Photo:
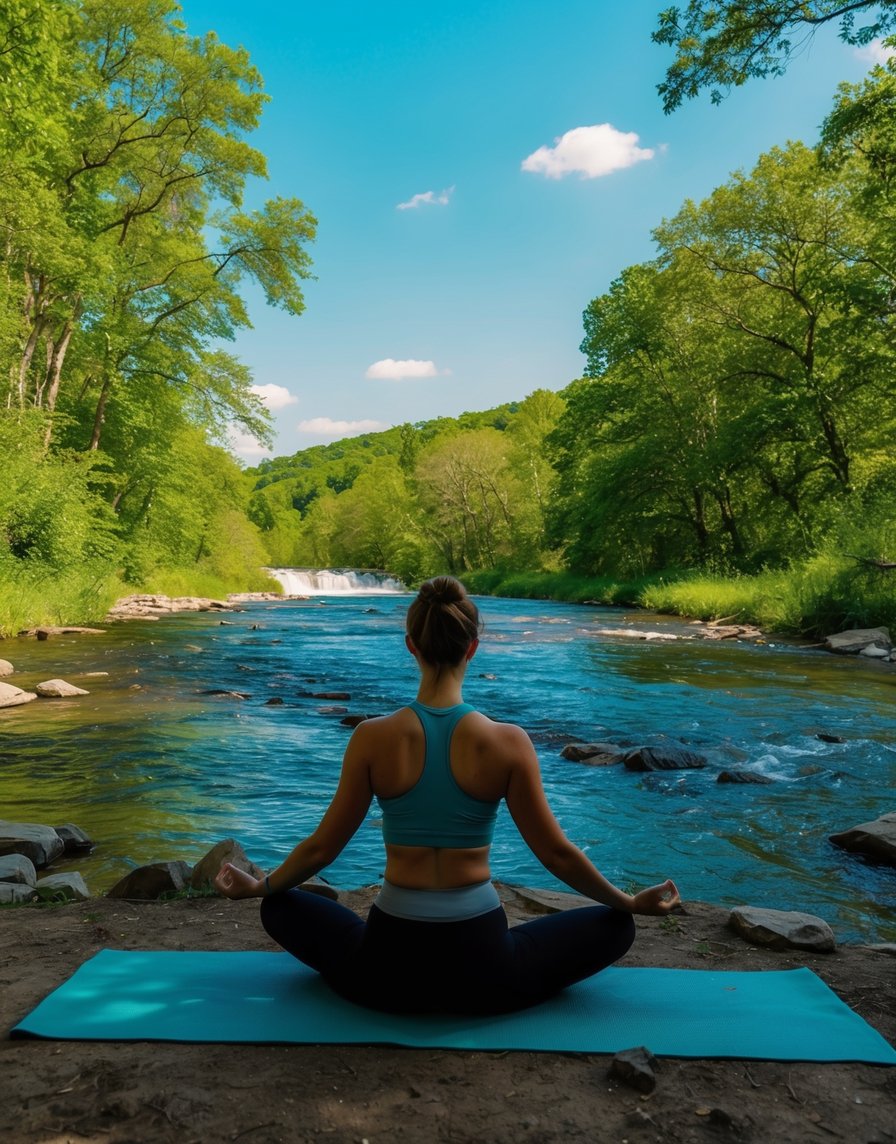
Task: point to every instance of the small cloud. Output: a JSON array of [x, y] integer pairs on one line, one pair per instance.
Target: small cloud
[[328, 427], [246, 447], [588, 151], [391, 370], [427, 198], [877, 52], [274, 396]]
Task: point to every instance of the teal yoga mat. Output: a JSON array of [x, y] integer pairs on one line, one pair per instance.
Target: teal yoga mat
[[269, 997]]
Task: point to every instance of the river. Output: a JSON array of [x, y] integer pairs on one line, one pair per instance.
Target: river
[[154, 767]]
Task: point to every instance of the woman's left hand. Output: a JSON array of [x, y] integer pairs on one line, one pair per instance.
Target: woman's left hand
[[235, 883]]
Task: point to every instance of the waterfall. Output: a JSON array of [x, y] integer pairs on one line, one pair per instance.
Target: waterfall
[[335, 582]]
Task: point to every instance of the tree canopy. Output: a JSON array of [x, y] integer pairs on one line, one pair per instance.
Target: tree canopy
[[720, 44]]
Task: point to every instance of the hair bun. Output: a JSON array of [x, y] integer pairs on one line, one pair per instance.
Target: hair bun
[[441, 590]]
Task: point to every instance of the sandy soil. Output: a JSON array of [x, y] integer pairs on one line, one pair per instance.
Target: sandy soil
[[56, 1091]]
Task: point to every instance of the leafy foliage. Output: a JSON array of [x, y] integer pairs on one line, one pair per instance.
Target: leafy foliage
[[721, 44]]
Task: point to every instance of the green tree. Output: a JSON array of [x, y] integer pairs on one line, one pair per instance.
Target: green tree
[[721, 44]]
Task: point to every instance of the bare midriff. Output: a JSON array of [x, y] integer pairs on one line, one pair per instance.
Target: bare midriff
[[436, 868]]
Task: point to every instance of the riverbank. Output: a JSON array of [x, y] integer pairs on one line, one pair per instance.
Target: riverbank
[[809, 601], [173, 1093]]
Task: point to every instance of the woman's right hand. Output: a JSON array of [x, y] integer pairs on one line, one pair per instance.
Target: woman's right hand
[[657, 900], [235, 883]]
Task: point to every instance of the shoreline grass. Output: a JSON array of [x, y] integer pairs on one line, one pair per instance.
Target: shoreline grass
[[824, 595]]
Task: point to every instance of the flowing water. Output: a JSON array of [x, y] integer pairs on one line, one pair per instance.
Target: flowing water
[[152, 766]]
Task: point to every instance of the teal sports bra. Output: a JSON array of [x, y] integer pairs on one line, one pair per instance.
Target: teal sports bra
[[435, 811]]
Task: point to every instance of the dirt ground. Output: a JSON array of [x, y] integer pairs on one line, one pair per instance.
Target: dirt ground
[[56, 1092]]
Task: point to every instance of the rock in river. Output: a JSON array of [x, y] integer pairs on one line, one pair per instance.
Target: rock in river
[[875, 841], [662, 759]]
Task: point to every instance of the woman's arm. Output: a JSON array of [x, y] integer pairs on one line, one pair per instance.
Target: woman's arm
[[544, 836], [340, 821]]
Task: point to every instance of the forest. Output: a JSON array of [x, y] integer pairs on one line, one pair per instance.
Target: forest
[[729, 449]]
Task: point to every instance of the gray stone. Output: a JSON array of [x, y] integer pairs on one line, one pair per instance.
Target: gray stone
[[317, 885], [872, 651], [150, 882], [15, 892], [6, 668], [857, 639], [875, 841], [887, 947], [228, 850], [594, 754], [635, 1068], [58, 689], [39, 843], [71, 885], [753, 777], [782, 929], [662, 759], [17, 868], [74, 839], [548, 901], [11, 696]]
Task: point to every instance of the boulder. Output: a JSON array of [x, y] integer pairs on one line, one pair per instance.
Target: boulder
[[782, 929], [229, 850], [317, 885], [343, 696], [662, 759], [858, 639], [6, 668], [39, 843], [74, 839], [58, 689], [17, 868], [147, 883], [14, 696], [594, 754], [875, 840], [547, 901], [15, 892], [744, 777], [70, 885]]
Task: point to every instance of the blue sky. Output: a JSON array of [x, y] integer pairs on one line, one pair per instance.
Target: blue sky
[[459, 241]]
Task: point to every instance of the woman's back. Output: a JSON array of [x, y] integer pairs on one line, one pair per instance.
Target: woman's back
[[479, 761]]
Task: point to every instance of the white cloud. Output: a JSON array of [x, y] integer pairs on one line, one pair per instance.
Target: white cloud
[[427, 198], [589, 152], [391, 370], [274, 396], [877, 52], [246, 447], [328, 427]]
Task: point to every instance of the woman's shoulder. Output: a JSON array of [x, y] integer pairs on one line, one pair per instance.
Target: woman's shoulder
[[495, 734]]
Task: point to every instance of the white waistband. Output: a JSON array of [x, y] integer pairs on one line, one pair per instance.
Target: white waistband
[[455, 905]]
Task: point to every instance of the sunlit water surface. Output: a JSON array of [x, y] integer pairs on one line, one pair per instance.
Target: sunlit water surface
[[152, 768]]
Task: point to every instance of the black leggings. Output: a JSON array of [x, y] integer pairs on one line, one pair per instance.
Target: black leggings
[[474, 966]]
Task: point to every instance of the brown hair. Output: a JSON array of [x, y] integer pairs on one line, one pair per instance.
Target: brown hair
[[443, 621]]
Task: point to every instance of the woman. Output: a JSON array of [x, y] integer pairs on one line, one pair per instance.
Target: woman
[[437, 937]]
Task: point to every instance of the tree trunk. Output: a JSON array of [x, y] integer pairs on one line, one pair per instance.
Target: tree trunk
[[55, 357], [100, 415]]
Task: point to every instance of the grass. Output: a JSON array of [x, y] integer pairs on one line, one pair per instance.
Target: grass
[[824, 594], [45, 597], [52, 598]]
